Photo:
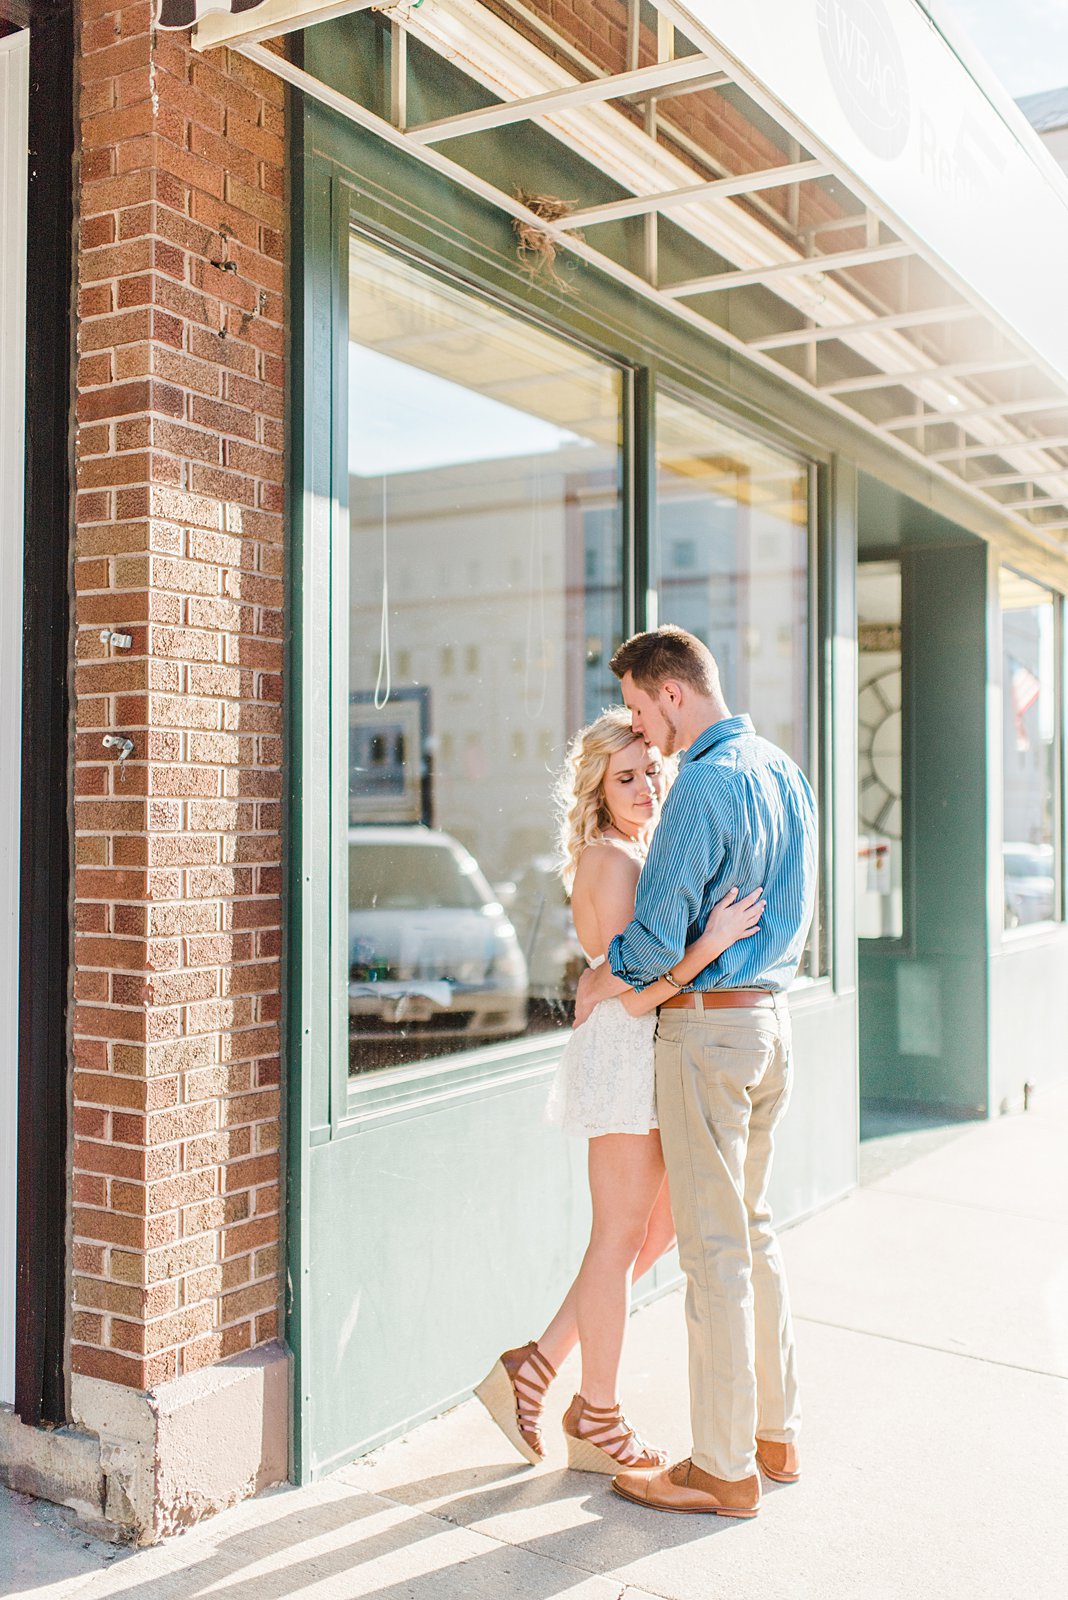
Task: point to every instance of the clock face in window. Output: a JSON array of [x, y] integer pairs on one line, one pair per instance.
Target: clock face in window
[[879, 754]]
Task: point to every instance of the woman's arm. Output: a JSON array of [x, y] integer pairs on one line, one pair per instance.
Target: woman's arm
[[731, 919]]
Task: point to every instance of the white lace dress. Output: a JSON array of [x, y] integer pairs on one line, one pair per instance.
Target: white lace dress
[[604, 1079]]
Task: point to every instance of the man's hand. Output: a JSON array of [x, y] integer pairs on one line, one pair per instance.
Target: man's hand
[[595, 985]]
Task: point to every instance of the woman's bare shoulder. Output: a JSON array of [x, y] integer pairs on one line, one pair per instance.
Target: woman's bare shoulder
[[607, 859]]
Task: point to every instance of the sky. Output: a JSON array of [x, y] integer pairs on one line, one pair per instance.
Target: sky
[[402, 419], [1025, 41]]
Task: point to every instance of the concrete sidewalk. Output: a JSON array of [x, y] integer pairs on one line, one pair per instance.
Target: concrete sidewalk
[[932, 1312]]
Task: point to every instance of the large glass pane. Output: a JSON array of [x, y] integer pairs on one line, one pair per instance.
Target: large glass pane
[[731, 565], [880, 901], [486, 601], [1029, 686]]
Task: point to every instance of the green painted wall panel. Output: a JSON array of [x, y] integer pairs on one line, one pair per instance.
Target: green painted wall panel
[[816, 1147], [437, 1241], [1028, 1016]]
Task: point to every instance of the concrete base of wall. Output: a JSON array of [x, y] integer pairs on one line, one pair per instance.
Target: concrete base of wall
[[57, 1464], [137, 1466]]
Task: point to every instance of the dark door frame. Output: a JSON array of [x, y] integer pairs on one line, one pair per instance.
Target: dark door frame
[[41, 1242]]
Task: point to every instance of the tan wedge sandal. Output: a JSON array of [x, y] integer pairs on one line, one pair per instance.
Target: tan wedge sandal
[[513, 1393], [607, 1441]]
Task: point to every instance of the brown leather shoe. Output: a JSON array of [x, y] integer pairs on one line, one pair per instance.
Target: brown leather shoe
[[778, 1461], [685, 1487]]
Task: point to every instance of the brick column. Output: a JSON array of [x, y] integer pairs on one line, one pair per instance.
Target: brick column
[[179, 544]]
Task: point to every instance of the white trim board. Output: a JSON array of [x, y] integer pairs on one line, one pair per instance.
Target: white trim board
[[14, 95]]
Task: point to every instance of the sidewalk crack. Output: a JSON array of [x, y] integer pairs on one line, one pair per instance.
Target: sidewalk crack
[[968, 1205], [939, 1349]]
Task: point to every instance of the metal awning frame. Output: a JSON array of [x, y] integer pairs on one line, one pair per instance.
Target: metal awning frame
[[690, 194], [643, 81], [982, 417], [833, 262]]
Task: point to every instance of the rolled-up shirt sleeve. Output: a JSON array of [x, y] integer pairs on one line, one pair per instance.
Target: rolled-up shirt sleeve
[[686, 852]]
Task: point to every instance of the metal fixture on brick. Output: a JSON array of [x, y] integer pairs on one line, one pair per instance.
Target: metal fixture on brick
[[124, 745], [121, 641]]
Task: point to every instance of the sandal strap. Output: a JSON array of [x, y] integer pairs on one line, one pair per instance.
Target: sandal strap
[[608, 1429], [531, 1374], [543, 1368]]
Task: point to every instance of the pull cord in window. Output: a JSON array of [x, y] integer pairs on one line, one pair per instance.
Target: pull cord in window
[[385, 665], [536, 603]]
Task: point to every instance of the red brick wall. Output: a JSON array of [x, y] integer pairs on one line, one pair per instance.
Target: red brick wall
[[179, 543]]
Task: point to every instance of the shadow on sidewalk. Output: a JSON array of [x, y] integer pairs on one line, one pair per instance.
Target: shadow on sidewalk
[[431, 1539], [598, 1532]]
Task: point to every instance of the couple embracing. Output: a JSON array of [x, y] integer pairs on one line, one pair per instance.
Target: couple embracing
[[692, 898]]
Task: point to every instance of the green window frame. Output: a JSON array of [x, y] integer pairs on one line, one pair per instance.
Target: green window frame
[[1013, 582], [333, 204]]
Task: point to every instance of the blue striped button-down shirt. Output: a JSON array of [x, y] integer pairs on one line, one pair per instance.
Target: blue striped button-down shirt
[[740, 815]]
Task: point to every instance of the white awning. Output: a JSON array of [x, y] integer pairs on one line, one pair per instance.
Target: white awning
[[929, 309], [876, 86]]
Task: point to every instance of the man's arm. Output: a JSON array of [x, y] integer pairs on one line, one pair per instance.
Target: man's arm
[[687, 850]]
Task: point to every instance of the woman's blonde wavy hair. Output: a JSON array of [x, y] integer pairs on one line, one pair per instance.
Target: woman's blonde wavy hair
[[582, 814]]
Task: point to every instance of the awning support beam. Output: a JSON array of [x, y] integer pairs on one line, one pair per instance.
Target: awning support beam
[[621, 86], [269, 21], [803, 264], [715, 189], [1004, 447], [1008, 408], [888, 380], [846, 330], [1004, 479]]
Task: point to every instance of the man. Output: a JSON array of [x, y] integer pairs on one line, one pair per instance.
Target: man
[[739, 815]]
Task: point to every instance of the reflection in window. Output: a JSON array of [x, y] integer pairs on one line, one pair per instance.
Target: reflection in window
[[1029, 678], [880, 900], [731, 565], [486, 540]]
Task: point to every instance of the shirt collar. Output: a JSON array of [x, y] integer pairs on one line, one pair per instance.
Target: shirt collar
[[728, 728]]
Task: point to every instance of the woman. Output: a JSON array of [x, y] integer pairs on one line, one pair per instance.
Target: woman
[[610, 796]]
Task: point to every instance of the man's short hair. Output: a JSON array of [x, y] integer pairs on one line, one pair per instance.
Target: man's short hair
[[667, 653]]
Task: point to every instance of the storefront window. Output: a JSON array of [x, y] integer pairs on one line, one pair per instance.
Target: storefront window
[[486, 601], [880, 830], [1029, 680], [731, 565]]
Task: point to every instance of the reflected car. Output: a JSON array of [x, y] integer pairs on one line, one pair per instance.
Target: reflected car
[[431, 951], [1030, 887], [541, 913]]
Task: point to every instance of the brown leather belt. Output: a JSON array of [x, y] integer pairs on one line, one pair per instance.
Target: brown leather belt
[[711, 999]]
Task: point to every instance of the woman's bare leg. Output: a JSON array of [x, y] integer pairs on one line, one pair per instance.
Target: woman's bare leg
[[659, 1235], [632, 1228], [561, 1336]]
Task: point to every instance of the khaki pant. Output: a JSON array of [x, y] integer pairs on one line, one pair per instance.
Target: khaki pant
[[723, 1081]]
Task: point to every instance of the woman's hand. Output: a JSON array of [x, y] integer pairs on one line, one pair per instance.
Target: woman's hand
[[731, 919]]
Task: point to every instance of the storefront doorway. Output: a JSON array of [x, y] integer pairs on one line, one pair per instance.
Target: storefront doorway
[[922, 848]]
